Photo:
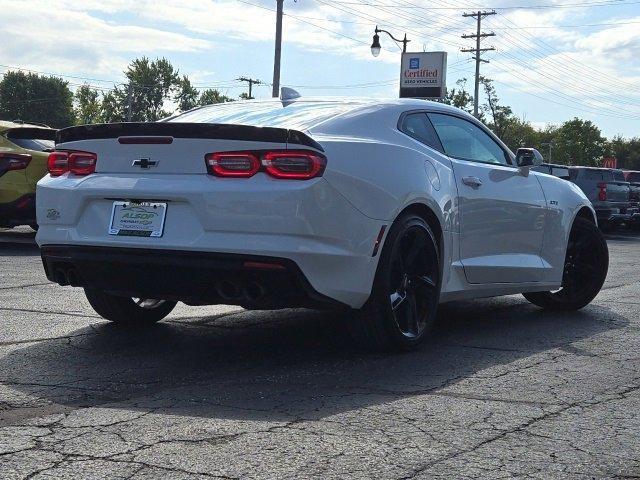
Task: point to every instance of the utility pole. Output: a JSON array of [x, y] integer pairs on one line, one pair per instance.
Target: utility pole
[[276, 61], [251, 82], [478, 51]]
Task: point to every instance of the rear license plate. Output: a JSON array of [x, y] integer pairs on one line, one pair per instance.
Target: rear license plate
[[145, 219]]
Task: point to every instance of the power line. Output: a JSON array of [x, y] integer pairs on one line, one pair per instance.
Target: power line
[[546, 46], [251, 83], [599, 3], [379, 20], [568, 65]]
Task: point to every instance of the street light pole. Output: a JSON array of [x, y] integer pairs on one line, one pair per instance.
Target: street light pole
[[376, 47], [278, 53]]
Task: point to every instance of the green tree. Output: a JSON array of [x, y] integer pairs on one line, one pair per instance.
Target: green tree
[[87, 105], [626, 151], [500, 116], [112, 108], [579, 142], [35, 98], [211, 96], [187, 96], [150, 84], [519, 133], [459, 97]]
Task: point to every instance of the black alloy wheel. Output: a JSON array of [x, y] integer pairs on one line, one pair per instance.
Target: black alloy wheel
[[413, 281], [406, 290], [585, 270]]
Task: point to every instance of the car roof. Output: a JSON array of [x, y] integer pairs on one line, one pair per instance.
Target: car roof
[[305, 113]]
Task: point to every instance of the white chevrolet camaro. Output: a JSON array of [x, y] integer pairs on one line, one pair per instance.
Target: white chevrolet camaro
[[381, 208]]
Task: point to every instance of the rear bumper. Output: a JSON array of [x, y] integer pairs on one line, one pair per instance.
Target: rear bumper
[[191, 277], [617, 215], [308, 223], [21, 211]]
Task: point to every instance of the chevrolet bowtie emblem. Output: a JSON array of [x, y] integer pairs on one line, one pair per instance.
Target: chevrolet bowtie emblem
[[144, 163]]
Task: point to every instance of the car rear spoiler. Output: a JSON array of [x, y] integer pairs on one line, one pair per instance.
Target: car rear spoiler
[[186, 130], [31, 132]]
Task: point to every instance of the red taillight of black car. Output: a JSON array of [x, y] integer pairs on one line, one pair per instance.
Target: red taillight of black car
[[281, 164], [74, 162], [602, 194]]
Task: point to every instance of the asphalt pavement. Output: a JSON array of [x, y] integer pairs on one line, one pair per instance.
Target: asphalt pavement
[[501, 390]]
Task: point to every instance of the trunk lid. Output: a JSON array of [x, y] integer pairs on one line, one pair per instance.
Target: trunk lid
[[172, 148]]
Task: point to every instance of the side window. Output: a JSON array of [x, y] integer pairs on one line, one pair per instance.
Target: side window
[[417, 126], [593, 174], [463, 140]]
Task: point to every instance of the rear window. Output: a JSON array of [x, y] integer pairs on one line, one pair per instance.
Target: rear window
[[619, 175], [560, 172], [633, 177], [38, 139], [296, 115], [592, 175]]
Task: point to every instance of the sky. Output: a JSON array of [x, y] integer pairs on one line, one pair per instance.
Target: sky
[[554, 59]]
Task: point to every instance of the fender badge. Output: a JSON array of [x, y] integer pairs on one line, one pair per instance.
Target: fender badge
[[53, 214]]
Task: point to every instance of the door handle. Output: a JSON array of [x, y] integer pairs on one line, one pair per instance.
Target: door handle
[[472, 181]]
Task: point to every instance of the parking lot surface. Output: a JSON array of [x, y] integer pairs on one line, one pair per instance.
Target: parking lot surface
[[502, 390]]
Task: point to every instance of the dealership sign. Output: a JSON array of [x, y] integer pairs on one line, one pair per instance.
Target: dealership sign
[[423, 75]]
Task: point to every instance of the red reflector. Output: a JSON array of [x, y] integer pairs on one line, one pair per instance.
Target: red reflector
[[232, 164], [294, 165], [24, 202], [14, 161], [263, 266], [82, 163], [58, 163], [376, 245], [145, 140]]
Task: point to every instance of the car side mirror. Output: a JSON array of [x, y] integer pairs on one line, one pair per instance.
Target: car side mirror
[[526, 158]]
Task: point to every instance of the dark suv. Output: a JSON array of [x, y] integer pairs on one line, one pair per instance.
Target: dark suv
[[609, 192]]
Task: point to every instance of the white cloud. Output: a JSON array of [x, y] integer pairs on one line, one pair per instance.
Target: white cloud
[[54, 36]]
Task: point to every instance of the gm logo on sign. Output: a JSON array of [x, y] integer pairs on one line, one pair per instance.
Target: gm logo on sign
[[414, 63]]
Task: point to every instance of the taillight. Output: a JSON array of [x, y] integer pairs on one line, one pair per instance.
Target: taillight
[[77, 163], [283, 164], [14, 161], [82, 163], [232, 164], [602, 194], [297, 165], [58, 163]]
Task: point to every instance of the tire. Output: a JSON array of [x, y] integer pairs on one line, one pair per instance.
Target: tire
[[605, 226], [404, 300], [128, 311], [586, 266]]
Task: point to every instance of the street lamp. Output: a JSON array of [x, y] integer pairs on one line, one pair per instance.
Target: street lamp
[[376, 47]]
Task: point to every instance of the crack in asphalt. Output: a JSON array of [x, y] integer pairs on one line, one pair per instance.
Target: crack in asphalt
[[523, 426], [52, 312], [26, 286]]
